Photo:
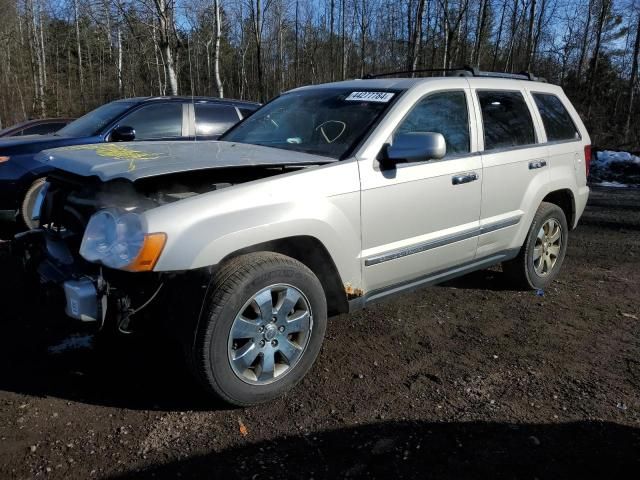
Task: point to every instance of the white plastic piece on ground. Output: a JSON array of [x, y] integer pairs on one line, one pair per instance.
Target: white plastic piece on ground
[[611, 184], [73, 342]]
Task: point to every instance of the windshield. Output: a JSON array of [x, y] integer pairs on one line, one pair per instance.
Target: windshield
[[327, 122], [93, 122]]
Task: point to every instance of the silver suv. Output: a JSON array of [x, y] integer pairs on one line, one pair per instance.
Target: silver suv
[[325, 200]]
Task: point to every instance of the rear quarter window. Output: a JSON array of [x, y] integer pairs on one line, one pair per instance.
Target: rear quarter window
[[557, 121], [506, 120], [213, 119]]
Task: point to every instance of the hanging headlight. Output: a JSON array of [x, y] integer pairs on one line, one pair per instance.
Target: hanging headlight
[[117, 239]]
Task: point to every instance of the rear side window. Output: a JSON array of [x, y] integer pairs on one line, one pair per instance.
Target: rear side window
[[213, 120], [506, 120], [445, 113], [555, 118]]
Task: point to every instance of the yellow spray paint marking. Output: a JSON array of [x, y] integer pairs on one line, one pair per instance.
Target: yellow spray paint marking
[[118, 152]]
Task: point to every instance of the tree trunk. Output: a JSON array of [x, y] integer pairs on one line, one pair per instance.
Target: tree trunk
[[585, 41], [497, 46], [257, 31], [416, 37], [604, 11], [363, 36], [632, 81], [344, 39], [532, 18], [119, 65], [216, 49], [482, 20], [164, 12], [79, 50]]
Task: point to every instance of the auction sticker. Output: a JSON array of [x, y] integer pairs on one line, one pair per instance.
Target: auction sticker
[[381, 97]]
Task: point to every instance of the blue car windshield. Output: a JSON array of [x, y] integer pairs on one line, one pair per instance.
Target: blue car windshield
[[94, 122], [323, 121]]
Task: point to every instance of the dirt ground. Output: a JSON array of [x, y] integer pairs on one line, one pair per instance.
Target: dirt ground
[[471, 379]]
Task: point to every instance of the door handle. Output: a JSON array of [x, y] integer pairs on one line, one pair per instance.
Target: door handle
[[537, 164], [464, 178]]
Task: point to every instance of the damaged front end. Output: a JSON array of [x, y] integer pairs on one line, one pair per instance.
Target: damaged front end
[[92, 254]]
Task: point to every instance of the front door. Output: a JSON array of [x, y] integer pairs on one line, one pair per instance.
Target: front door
[[420, 218]]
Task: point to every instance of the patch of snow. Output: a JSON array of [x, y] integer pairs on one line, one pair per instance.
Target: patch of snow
[[615, 169], [606, 157], [611, 184], [74, 342]]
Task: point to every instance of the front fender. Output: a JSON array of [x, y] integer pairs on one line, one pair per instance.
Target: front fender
[[321, 202]]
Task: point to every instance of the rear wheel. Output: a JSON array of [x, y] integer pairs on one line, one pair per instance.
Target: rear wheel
[[28, 202], [262, 329], [542, 254]]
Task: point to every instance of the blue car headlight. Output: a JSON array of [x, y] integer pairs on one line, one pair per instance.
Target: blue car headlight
[[113, 238]]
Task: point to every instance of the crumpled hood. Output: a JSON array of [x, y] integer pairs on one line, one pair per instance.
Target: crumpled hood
[[136, 160]]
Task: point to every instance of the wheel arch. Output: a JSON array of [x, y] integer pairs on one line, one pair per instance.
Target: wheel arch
[[314, 255], [564, 199]]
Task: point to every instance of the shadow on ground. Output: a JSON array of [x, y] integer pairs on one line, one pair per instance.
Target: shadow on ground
[[425, 450], [491, 279], [43, 354]]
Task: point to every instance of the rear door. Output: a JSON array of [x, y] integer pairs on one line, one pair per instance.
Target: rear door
[[564, 142], [417, 218], [513, 159]]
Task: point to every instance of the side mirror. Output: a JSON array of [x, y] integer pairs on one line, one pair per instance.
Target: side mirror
[[416, 147], [123, 134]]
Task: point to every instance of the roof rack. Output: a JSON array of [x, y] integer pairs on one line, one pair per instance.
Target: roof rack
[[465, 71]]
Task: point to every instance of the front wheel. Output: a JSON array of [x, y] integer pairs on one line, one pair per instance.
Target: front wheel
[[261, 330], [539, 261]]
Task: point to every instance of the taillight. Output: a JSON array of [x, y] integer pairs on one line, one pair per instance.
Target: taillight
[[587, 158]]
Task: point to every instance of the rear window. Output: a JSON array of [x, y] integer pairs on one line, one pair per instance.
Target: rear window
[[506, 120], [555, 118]]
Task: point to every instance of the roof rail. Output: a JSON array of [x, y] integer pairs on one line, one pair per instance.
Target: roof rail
[[465, 71]]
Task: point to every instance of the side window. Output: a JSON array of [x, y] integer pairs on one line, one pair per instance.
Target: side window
[[506, 120], [156, 121], [555, 118], [445, 113], [212, 120], [43, 129]]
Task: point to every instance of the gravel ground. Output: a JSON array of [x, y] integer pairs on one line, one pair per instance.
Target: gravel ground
[[469, 379]]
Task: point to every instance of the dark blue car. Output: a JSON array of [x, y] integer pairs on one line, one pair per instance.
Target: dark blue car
[[145, 118]]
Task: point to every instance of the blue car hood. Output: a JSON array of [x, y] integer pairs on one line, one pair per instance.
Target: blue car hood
[[35, 143], [135, 160]]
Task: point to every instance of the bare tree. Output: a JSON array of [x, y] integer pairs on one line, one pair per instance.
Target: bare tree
[[216, 47], [416, 37], [632, 79], [166, 30]]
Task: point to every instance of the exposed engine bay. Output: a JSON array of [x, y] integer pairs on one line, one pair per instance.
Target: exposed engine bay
[[72, 199]]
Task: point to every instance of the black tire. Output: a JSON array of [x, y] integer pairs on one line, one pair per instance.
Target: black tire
[[234, 284], [520, 271], [28, 202]]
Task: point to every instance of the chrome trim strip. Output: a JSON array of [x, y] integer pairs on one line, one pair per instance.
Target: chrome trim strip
[[492, 227], [440, 242]]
